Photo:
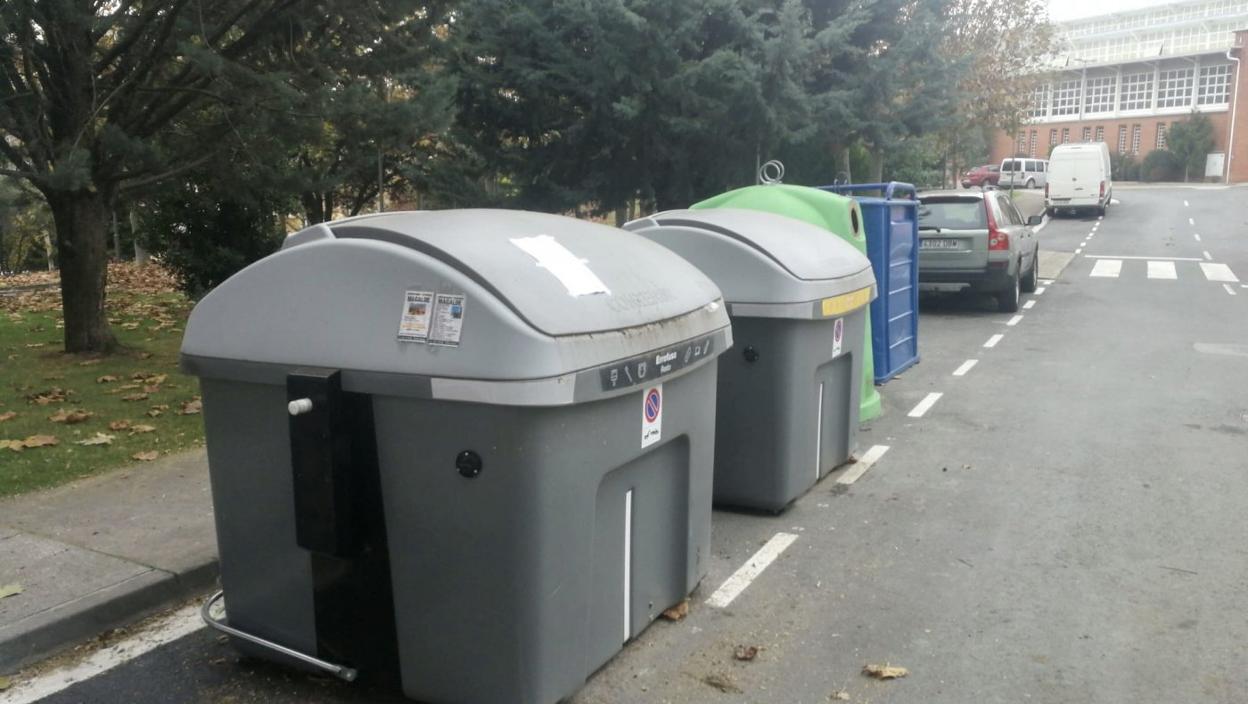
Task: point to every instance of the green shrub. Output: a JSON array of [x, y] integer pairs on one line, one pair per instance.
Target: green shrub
[[1161, 165]]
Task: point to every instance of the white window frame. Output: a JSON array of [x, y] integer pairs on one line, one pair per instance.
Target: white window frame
[[1066, 98], [1214, 86], [1137, 91], [1175, 87], [1137, 135], [1098, 94]]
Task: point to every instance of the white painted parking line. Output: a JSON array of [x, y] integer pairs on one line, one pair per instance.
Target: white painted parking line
[[1191, 221], [1079, 250], [1102, 217], [1029, 305], [992, 341], [1162, 270], [1218, 272], [1196, 236], [1128, 256], [1229, 289], [1208, 256], [1015, 320], [1040, 290], [1107, 268], [859, 468], [965, 367], [747, 573], [925, 405], [1185, 204], [166, 630], [1045, 282]]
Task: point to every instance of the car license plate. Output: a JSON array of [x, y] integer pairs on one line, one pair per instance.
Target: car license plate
[[936, 243]]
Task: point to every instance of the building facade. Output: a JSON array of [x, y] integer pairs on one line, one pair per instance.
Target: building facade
[[1126, 78]]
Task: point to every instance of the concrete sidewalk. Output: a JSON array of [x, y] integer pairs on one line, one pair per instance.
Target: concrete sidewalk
[[102, 552]]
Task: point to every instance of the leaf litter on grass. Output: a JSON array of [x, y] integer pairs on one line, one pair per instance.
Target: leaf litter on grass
[[97, 439]]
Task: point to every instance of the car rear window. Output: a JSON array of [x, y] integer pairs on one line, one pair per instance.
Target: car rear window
[[953, 214]]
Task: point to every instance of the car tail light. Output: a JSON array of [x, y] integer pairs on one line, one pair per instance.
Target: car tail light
[[997, 240], [1102, 189]]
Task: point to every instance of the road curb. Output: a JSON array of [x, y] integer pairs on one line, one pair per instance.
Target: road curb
[[50, 632]]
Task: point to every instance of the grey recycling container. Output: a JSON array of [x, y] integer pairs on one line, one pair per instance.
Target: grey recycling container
[[788, 395], [474, 448]]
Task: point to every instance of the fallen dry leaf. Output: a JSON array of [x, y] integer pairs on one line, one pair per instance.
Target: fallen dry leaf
[[722, 683], [105, 379], [89, 362], [53, 395], [134, 397], [70, 417], [136, 429], [145, 456], [839, 696], [145, 355], [745, 653], [154, 412], [10, 415], [191, 408], [151, 389], [9, 590], [884, 672], [119, 425], [97, 439], [14, 445], [677, 612], [40, 441]]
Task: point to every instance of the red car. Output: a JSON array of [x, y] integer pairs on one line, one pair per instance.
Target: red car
[[985, 175]]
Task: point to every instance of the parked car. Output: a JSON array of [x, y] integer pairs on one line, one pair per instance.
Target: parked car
[[978, 238], [1080, 178], [986, 175], [1025, 173]]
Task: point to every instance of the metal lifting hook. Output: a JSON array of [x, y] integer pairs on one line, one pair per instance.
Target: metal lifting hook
[[771, 172]]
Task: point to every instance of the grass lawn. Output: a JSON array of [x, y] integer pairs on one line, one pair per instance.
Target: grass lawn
[[134, 405]]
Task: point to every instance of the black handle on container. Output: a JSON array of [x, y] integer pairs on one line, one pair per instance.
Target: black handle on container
[[320, 457]]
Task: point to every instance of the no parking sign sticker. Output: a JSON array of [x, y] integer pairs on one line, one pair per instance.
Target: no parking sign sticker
[[652, 415]]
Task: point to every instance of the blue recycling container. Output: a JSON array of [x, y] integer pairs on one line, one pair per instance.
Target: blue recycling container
[[891, 217]]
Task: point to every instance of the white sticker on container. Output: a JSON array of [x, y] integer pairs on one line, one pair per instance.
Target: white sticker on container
[[570, 269], [417, 311], [652, 415], [838, 336], [448, 319]]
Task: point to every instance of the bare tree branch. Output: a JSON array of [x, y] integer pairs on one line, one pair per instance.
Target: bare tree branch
[[129, 186]]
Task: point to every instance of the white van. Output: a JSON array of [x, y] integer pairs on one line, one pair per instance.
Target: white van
[[1023, 173], [1079, 177]]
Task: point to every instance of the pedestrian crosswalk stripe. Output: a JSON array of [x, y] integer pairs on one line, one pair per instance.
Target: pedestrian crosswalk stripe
[[1162, 270], [1218, 272], [1107, 268]]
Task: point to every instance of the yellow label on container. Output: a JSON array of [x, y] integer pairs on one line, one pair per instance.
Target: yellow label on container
[[838, 305]]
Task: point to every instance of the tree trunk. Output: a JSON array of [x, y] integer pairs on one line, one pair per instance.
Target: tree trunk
[[877, 165], [849, 178], [82, 221]]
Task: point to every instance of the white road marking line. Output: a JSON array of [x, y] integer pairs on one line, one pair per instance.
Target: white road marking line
[[1243, 285], [1229, 289], [925, 405], [1218, 272], [1196, 236], [859, 468], [992, 341], [1191, 221], [747, 573], [180, 623], [1208, 256], [1014, 321], [1162, 270], [1029, 305], [1107, 268], [1039, 290], [1128, 256], [1079, 250], [1046, 282], [1185, 204], [965, 367], [1101, 217]]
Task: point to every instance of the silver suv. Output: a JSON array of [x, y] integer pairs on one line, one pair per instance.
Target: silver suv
[[978, 238]]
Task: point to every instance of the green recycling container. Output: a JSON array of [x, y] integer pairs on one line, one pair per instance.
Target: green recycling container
[[838, 214]]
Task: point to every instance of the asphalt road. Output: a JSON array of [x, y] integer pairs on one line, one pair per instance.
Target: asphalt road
[[1063, 524]]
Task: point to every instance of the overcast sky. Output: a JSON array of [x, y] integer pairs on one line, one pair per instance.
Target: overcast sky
[[1060, 10]]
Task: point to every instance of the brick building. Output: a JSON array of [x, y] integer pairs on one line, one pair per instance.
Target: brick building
[[1125, 78]]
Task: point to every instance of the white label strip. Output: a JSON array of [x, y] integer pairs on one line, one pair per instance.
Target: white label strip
[[1107, 268], [992, 341], [1218, 272], [1162, 270], [628, 564], [925, 405], [965, 367], [571, 270], [747, 573], [1014, 321], [819, 431], [859, 468], [1029, 305], [176, 625]]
